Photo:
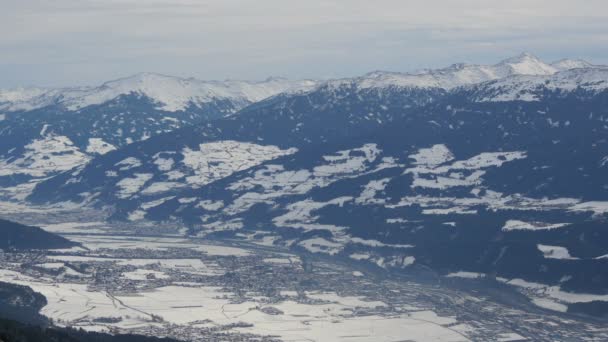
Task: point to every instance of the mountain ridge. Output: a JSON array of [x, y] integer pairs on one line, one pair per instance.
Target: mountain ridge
[[170, 92], [173, 93]]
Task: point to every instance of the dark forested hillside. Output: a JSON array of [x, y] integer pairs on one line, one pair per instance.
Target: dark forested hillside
[[13, 331], [17, 236]]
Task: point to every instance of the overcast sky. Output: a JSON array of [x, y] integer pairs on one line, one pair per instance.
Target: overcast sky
[[76, 42]]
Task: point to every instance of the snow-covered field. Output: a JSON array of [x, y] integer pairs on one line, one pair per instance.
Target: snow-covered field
[[251, 288], [332, 320], [311, 315]]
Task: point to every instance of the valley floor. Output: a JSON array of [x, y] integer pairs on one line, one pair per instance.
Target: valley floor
[[161, 283]]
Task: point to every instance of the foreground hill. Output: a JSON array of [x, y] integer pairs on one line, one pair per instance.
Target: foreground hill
[[22, 304], [13, 331]]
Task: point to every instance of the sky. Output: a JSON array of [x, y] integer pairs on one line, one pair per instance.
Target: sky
[[56, 43]]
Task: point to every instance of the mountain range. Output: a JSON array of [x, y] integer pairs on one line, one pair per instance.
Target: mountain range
[[45, 131], [496, 170]]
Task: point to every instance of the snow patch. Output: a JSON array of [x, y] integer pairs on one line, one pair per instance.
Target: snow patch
[[98, 146], [512, 225], [210, 205], [555, 252], [130, 186], [321, 245], [128, 163], [431, 171], [50, 154], [216, 160]]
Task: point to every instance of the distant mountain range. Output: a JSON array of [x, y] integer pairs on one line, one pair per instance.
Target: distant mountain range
[[494, 169], [173, 94], [169, 93]]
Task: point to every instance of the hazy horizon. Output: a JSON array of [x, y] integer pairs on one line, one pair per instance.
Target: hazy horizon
[[86, 42], [270, 76]]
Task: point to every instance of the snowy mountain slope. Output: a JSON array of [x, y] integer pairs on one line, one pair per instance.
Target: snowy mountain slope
[[19, 95], [168, 92], [531, 88], [117, 113], [567, 64], [463, 74], [177, 94], [281, 125], [42, 142], [95, 120], [48, 154]]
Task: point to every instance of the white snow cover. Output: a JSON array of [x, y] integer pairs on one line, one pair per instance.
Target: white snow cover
[[555, 252], [300, 215], [160, 187], [549, 304], [329, 318], [175, 93], [97, 145], [155, 203], [432, 156], [211, 205], [129, 186], [527, 88], [274, 181], [376, 243], [220, 159], [22, 98], [491, 199], [459, 74], [466, 275], [170, 93], [128, 163], [143, 274], [567, 64], [370, 190], [432, 171], [597, 207], [511, 225], [163, 164], [321, 245], [51, 153]]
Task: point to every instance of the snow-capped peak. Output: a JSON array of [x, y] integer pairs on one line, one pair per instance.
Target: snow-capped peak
[[531, 87], [527, 64], [175, 93], [169, 92], [457, 75]]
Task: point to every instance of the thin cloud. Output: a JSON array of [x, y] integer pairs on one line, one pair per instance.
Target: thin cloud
[[65, 42]]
